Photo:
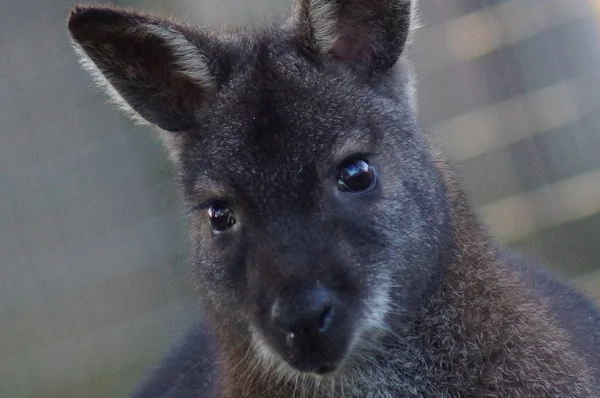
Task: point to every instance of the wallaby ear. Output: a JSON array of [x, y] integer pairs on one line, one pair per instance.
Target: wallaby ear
[[367, 34], [153, 68]]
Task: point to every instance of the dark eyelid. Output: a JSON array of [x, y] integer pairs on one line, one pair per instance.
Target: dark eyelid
[[346, 145], [366, 156], [201, 206], [335, 168], [360, 142]]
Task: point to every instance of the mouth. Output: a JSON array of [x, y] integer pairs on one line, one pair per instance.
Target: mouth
[[316, 354], [325, 369], [310, 332], [315, 361]]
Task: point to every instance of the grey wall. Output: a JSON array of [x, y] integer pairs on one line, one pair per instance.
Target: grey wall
[[94, 277]]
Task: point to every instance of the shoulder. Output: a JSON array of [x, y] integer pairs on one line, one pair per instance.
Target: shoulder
[[547, 285], [571, 309], [187, 371]]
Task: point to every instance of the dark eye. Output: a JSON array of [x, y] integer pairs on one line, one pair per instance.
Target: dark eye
[[221, 217], [356, 176]]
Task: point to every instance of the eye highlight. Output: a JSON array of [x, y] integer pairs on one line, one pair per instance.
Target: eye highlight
[[221, 217], [356, 175]]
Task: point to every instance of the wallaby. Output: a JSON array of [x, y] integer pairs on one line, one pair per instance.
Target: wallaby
[[336, 254]]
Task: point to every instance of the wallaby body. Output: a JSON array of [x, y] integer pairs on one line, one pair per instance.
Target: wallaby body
[[335, 253]]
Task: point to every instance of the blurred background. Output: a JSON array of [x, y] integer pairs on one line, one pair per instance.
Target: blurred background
[[94, 273]]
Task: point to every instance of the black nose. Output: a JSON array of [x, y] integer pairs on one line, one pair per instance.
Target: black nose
[[309, 314]]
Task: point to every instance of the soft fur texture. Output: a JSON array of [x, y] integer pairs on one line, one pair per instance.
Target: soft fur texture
[[424, 304]]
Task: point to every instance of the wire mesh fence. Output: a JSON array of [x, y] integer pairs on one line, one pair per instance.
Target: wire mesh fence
[[93, 251]]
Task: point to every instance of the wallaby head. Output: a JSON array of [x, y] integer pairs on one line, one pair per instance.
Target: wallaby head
[[314, 202], [331, 243]]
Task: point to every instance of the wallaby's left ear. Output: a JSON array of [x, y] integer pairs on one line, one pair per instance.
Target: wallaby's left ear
[[369, 35], [156, 70]]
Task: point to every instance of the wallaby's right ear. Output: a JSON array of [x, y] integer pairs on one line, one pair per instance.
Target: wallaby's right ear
[[156, 70]]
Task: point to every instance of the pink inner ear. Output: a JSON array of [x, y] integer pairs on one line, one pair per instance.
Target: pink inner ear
[[353, 46]]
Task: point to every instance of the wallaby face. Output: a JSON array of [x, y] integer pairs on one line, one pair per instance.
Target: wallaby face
[[313, 198], [329, 237]]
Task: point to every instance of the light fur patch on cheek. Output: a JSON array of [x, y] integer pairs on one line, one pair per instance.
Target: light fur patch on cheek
[[377, 308], [372, 322], [262, 348], [269, 360]]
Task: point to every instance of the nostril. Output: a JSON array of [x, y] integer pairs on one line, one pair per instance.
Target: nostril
[[306, 314], [325, 319]]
